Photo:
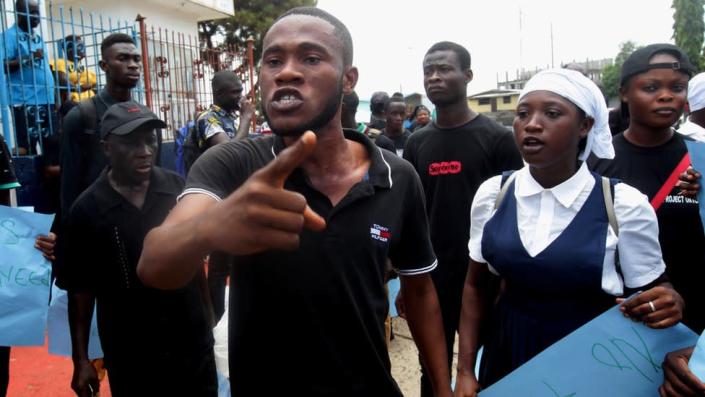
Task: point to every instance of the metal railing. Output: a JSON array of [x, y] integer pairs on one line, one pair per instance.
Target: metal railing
[[177, 69]]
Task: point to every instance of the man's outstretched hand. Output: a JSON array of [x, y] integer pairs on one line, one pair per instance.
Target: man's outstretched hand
[[261, 214]]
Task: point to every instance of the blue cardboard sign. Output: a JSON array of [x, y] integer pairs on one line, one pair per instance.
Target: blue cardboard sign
[[609, 356], [24, 278], [696, 364], [58, 330], [697, 159], [393, 287], [223, 385]]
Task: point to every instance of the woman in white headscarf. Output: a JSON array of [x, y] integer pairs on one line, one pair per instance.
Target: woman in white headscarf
[[546, 231]]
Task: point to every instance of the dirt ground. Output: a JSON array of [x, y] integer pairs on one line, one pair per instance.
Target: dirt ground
[[405, 361]]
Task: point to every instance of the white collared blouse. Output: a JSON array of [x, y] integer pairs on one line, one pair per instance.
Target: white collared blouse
[[543, 214]]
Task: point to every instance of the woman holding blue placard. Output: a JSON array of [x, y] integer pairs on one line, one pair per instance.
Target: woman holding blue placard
[[650, 155], [551, 232]]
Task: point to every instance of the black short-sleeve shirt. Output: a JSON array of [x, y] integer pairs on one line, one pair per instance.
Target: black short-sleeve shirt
[[680, 229], [452, 163], [136, 323], [318, 312], [398, 140]]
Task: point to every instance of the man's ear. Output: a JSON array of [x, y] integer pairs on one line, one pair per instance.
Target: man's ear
[[468, 76], [350, 79], [103, 65]]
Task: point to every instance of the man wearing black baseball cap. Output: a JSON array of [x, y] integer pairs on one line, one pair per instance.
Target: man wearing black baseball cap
[[155, 342]]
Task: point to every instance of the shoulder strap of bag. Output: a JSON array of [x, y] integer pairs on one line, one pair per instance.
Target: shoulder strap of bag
[[608, 193], [660, 196], [506, 182]]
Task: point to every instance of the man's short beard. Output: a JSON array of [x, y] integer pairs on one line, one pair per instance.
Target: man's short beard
[[447, 101], [318, 122], [130, 85]]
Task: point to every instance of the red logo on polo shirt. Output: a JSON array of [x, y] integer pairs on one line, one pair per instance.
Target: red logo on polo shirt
[[444, 168], [380, 233]]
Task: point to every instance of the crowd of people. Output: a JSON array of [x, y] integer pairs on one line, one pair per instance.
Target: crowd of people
[[512, 241]]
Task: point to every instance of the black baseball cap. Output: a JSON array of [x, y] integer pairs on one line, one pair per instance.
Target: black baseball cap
[[125, 117], [638, 61]]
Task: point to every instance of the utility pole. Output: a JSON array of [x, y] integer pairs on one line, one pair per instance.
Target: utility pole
[[521, 41], [552, 64]]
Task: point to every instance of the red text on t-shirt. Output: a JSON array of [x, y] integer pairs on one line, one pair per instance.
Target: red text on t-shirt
[[444, 168]]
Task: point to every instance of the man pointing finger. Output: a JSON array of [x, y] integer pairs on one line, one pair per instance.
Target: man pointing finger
[[312, 219]]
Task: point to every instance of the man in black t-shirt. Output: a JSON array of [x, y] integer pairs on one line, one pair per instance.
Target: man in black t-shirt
[[82, 158], [395, 131], [155, 342], [453, 156], [307, 288]]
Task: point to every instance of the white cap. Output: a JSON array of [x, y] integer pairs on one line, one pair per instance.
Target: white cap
[[696, 92]]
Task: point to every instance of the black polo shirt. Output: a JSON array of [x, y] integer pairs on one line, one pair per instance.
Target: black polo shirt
[[138, 325], [313, 319]]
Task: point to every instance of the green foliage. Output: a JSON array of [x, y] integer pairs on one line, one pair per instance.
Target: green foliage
[[689, 28], [610, 73], [252, 18]]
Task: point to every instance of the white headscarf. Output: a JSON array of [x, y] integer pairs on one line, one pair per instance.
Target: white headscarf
[[696, 92], [582, 92]]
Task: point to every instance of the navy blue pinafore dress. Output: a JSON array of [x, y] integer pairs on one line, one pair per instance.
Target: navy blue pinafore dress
[[548, 296]]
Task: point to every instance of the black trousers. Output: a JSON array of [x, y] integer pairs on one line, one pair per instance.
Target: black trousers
[[4, 369], [450, 298], [218, 272], [175, 376]]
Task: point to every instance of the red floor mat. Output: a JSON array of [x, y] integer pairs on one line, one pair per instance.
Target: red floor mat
[[36, 373]]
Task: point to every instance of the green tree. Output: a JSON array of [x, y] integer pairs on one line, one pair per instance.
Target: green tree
[[610, 73], [689, 28], [252, 18]]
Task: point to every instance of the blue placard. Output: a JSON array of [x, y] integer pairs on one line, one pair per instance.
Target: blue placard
[[393, 286], [609, 356], [58, 329], [696, 364], [24, 278], [697, 159], [223, 385]]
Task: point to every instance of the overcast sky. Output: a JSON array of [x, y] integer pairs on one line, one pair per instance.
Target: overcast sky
[[391, 36]]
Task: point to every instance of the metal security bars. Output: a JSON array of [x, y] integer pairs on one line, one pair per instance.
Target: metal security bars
[[44, 69], [178, 70], [51, 57]]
